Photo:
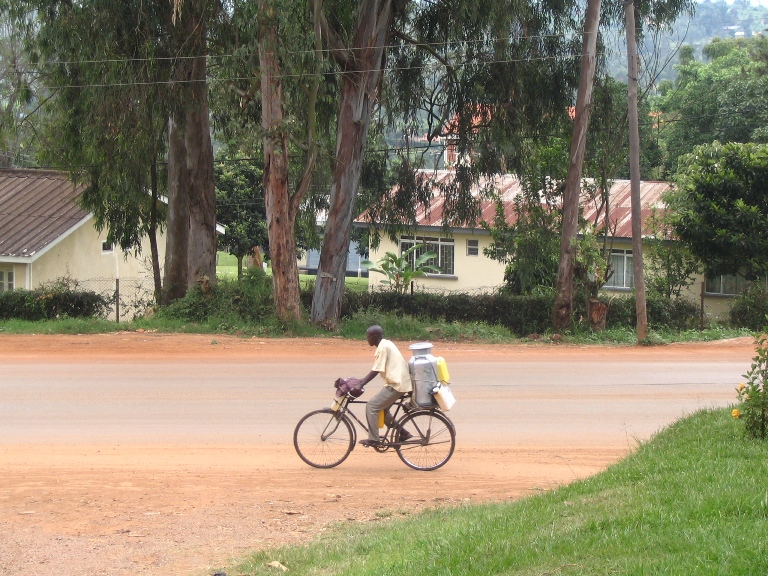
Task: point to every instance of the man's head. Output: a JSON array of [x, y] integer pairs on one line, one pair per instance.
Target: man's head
[[374, 334]]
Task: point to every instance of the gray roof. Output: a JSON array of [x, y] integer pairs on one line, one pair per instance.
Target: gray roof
[[37, 207]]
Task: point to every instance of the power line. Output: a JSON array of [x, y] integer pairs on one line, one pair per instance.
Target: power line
[[306, 75], [323, 51]]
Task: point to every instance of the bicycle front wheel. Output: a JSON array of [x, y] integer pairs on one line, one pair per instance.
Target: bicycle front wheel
[[432, 440], [324, 438]]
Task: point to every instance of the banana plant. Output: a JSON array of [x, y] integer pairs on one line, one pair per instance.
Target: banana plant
[[399, 270]]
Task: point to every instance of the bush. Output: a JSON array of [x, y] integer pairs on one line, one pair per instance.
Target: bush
[[248, 300], [751, 308], [754, 394], [675, 313], [521, 315], [58, 299]]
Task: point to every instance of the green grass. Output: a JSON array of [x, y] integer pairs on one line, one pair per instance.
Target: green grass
[[226, 267], [628, 336], [61, 326], [693, 500], [395, 327]]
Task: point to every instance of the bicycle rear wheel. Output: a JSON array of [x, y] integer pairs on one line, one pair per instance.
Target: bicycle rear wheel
[[324, 438], [432, 440]]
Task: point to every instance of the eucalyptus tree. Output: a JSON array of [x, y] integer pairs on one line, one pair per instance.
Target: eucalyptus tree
[[127, 87], [484, 74], [649, 15], [190, 253], [275, 100], [107, 114], [19, 91]]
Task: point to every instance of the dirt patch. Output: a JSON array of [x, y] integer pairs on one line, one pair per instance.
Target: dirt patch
[[155, 509]]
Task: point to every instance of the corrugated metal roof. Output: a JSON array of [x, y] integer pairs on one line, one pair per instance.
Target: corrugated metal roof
[[36, 208], [508, 186]]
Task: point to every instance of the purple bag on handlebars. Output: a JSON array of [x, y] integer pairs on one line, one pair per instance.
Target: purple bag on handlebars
[[349, 385]]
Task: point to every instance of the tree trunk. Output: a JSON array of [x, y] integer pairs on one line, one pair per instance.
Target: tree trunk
[[280, 207], [190, 167], [155, 253], [363, 66], [199, 154], [177, 241], [634, 174], [598, 314], [562, 314]]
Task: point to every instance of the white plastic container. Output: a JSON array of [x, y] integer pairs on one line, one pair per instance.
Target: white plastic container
[[444, 397]]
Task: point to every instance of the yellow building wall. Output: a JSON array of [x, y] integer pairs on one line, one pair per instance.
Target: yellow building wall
[[476, 273], [81, 257], [471, 273]]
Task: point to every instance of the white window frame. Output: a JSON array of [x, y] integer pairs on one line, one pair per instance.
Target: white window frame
[[7, 280], [445, 248], [473, 247], [623, 277], [107, 247]]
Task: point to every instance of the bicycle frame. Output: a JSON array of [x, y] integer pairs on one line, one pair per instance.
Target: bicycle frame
[[401, 409]]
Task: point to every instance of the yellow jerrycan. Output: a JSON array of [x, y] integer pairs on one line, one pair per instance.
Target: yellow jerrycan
[[442, 370]]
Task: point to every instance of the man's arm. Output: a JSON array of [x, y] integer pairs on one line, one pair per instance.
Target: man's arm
[[371, 375]]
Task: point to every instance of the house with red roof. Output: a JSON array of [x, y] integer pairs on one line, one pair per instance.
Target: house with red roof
[[465, 268]]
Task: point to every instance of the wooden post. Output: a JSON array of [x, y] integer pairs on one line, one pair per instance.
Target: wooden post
[[634, 172], [701, 317], [117, 300]]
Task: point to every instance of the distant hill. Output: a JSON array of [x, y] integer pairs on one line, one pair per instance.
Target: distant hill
[[711, 20]]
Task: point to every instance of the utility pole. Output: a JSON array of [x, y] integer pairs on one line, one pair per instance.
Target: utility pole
[[634, 172]]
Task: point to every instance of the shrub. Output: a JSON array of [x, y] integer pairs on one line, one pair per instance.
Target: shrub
[[754, 394], [521, 315], [676, 313], [750, 309], [249, 299], [61, 298]]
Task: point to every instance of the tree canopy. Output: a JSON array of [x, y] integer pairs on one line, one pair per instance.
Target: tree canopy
[[721, 207], [725, 99]]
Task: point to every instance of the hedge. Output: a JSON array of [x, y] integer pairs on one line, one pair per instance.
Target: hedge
[[522, 315], [47, 303]]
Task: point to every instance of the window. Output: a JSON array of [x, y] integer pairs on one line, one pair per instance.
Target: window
[[107, 246], [473, 247], [725, 284], [6, 280], [443, 247], [623, 274]]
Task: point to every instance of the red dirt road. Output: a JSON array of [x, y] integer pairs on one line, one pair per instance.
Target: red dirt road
[[83, 495]]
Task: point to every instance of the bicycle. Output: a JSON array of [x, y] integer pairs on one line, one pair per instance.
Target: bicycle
[[324, 438]]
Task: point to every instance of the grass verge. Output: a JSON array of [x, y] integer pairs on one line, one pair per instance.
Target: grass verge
[[400, 328], [692, 500]]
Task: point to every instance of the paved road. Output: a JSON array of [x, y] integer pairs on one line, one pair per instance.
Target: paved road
[[162, 454], [601, 400]]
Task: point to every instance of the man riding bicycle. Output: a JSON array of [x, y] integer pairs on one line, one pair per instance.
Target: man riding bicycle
[[389, 362]]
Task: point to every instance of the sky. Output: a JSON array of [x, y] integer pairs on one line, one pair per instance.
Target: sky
[[753, 2]]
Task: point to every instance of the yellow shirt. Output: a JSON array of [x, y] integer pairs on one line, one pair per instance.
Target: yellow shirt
[[392, 366]]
